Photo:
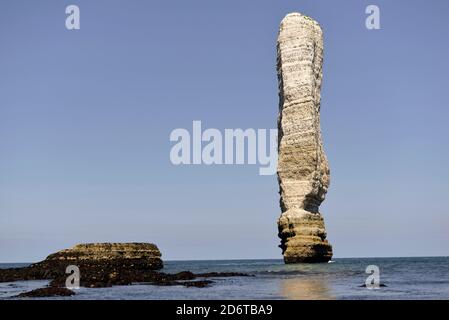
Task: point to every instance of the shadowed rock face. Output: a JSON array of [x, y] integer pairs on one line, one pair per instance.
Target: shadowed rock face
[[303, 171]]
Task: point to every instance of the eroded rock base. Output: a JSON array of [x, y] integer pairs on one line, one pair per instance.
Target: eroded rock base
[[303, 237]]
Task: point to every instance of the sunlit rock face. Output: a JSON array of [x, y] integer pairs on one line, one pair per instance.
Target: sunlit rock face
[[132, 255], [303, 170]]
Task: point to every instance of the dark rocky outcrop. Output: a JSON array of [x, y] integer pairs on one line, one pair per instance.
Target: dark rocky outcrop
[[103, 259], [381, 285], [47, 292], [106, 265]]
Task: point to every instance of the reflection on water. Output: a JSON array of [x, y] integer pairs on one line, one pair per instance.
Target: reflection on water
[[305, 289]]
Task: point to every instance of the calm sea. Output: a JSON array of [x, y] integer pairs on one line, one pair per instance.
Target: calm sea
[[405, 278]]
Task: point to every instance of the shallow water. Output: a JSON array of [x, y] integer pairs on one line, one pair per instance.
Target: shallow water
[[406, 278]]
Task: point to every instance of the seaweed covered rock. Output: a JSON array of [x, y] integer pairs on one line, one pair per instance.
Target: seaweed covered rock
[[103, 259], [47, 292], [106, 265]]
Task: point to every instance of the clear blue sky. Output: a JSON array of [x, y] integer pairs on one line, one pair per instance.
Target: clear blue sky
[[85, 119]]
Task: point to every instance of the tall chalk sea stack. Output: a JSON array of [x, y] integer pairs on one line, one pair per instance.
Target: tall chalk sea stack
[[303, 171]]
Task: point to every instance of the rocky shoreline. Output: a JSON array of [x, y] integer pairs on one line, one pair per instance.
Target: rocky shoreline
[[105, 265]]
